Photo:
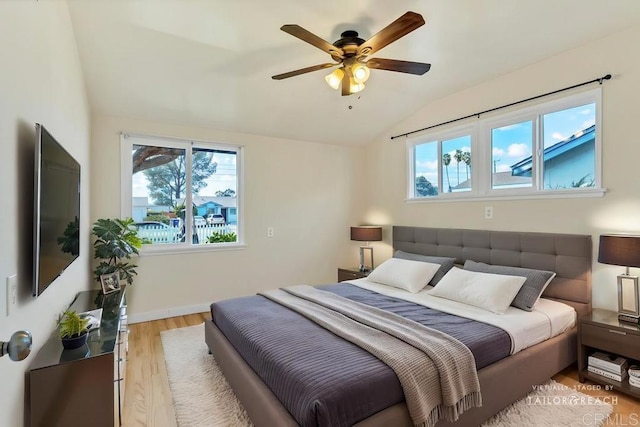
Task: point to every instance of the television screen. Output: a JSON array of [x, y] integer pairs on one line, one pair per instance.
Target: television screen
[[56, 210]]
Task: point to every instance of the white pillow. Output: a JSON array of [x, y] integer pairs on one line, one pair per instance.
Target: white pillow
[[493, 292], [404, 274]]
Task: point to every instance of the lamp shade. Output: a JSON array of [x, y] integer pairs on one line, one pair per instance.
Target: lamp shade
[[365, 233], [619, 250]]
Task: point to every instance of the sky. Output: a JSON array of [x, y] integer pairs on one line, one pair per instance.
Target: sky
[[225, 177], [510, 144]]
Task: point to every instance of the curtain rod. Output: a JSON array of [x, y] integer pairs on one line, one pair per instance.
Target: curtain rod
[[598, 80]]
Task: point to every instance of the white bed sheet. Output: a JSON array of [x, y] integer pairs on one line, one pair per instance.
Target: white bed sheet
[[548, 318]]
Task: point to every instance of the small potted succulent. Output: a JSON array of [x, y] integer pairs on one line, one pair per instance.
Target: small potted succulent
[[72, 329]]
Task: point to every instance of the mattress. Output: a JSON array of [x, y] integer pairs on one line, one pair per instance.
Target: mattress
[[548, 318], [322, 379]]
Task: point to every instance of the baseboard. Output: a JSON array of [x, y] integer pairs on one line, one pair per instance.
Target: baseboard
[[165, 314]]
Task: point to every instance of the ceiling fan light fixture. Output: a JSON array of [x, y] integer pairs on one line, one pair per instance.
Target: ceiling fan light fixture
[[335, 78], [352, 54], [360, 72]]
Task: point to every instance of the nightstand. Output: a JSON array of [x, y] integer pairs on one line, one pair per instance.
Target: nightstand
[[351, 274], [601, 331]]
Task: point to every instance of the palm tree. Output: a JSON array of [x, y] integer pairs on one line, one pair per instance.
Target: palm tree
[[458, 157], [466, 158], [446, 160]]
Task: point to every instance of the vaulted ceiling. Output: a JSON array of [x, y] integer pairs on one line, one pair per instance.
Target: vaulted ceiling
[[209, 62]]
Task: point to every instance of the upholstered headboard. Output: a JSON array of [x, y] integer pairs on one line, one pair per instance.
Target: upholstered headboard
[[569, 255]]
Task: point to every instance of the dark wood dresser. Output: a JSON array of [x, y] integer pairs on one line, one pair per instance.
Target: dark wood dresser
[[85, 386]]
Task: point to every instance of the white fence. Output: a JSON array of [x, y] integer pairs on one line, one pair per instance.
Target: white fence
[[162, 234], [204, 231]]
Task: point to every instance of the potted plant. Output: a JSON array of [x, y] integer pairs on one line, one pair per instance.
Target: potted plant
[[72, 329], [116, 241]]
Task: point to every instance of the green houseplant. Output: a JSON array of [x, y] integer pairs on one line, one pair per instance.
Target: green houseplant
[[72, 329], [116, 241]]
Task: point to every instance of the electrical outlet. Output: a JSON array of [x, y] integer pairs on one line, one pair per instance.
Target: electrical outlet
[[12, 293], [488, 212], [269, 232]]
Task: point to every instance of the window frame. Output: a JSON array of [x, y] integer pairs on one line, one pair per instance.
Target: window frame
[[126, 147], [486, 128], [481, 149], [438, 138]]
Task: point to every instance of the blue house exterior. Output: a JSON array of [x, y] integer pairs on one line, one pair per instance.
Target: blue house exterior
[[225, 206], [565, 162]]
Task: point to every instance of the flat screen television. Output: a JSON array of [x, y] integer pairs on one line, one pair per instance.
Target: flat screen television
[[56, 216]]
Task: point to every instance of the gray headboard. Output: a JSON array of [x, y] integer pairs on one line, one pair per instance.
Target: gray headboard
[[569, 255]]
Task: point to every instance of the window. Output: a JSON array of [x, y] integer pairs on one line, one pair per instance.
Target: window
[[511, 145], [426, 181], [442, 165], [456, 153], [164, 176], [569, 137], [548, 150]]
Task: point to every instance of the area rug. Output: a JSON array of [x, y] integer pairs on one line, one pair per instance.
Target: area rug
[[203, 398]]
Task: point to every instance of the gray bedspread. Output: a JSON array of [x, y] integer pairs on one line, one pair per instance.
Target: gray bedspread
[[321, 379]]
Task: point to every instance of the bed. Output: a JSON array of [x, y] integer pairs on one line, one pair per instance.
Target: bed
[[567, 255]]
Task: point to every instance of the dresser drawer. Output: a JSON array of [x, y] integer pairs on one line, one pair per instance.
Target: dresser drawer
[[612, 340]]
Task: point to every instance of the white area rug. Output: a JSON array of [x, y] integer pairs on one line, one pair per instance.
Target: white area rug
[[202, 397], [201, 394]]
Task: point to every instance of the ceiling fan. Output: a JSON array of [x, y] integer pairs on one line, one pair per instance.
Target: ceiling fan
[[351, 53]]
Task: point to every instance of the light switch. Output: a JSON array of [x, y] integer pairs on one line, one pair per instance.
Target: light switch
[[12, 293]]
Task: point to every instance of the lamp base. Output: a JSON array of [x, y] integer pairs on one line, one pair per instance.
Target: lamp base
[[629, 318], [363, 266]]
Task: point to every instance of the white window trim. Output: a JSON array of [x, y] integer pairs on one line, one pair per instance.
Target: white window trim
[[480, 132], [126, 165], [438, 137]]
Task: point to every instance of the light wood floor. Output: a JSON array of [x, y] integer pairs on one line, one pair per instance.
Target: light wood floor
[[148, 398]]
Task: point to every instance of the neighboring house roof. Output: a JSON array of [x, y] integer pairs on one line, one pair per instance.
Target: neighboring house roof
[[225, 202], [498, 179], [575, 140]]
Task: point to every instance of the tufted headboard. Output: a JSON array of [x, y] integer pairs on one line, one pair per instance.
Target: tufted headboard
[[569, 255]]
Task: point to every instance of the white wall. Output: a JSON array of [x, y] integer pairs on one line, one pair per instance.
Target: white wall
[[310, 193], [617, 211], [40, 81]]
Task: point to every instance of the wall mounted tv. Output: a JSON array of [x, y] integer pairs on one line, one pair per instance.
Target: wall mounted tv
[[56, 215]]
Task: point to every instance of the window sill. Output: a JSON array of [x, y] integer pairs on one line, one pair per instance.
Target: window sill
[[538, 195], [170, 249]]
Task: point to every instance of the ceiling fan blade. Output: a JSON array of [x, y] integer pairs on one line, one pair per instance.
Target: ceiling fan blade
[[302, 71], [312, 39], [346, 82], [392, 32], [409, 67]]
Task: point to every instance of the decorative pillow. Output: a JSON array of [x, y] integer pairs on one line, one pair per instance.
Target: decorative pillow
[[445, 263], [493, 292], [404, 274], [534, 286]]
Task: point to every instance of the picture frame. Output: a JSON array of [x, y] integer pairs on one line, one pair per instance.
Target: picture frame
[[628, 296], [110, 282]]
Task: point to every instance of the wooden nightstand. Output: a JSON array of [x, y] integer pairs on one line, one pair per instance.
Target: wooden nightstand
[[601, 331], [351, 274]]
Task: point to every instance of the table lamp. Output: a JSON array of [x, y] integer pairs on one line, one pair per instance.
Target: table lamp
[[365, 233], [623, 250]]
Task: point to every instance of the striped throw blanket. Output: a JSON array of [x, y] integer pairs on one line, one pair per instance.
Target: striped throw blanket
[[437, 372]]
